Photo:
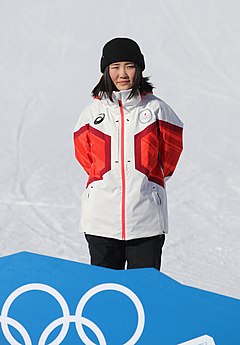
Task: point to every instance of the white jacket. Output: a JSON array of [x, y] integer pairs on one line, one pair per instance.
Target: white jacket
[[128, 147]]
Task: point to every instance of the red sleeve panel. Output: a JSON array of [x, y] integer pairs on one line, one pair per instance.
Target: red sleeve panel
[[171, 146], [147, 154], [93, 151], [82, 148]]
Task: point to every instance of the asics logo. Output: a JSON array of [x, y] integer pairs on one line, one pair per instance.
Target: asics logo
[[99, 119]]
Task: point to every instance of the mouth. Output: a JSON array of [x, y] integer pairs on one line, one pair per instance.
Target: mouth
[[124, 82]]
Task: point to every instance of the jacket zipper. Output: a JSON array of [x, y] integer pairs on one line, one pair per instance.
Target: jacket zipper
[[123, 173]]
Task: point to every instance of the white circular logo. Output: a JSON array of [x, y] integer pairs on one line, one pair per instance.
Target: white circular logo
[[145, 116], [66, 319]]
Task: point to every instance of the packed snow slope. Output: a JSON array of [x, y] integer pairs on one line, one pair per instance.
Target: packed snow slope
[[49, 63]]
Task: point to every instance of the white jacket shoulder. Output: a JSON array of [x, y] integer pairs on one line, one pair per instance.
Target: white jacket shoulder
[[162, 110], [86, 113], [168, 114]]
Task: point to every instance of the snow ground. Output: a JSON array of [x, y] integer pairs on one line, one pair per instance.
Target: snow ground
[[49, 63]]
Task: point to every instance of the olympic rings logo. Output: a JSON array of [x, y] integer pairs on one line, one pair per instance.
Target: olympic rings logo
[[66, 318]]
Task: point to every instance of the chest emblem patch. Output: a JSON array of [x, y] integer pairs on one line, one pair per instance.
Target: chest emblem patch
[[145, 116], [99, 119]]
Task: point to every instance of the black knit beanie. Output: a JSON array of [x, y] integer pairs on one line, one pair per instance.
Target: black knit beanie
[[121, 49]]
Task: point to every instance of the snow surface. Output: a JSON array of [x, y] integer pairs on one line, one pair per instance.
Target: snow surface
[[49, 63]]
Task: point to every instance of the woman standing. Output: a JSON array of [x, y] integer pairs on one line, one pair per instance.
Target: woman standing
[[128, 141]]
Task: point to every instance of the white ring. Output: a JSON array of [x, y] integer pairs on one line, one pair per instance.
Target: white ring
[[19, 328], [66, 319], [72, 318], [116, 287], [30, 287]]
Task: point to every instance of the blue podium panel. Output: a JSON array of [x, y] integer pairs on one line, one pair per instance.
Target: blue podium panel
[[50, 301]]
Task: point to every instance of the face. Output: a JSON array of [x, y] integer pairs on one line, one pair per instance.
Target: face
[[122, 74]]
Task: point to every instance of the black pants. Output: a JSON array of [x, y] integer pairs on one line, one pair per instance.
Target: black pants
[[137, 253]]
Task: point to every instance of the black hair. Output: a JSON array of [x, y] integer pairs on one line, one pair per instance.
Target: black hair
[[105, 86]]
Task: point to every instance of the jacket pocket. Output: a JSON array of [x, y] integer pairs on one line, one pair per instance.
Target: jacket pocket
[[158, 202], [86, 208]]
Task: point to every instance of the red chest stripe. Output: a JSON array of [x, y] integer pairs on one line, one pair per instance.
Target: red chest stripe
[[123, 174]]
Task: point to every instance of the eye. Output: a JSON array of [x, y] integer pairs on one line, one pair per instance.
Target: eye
[[131, 66]]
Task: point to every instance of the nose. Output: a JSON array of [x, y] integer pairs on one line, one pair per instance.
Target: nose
[[123, 72]]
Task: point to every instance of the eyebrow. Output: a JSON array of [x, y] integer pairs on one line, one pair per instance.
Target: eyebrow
[[117, 64]]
